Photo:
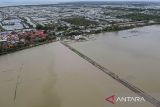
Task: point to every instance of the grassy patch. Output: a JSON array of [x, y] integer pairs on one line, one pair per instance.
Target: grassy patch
[[80, 21]]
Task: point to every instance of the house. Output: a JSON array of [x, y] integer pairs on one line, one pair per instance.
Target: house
[[40, 34]]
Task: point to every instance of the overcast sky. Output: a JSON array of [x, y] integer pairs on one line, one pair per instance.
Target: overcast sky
[[21, 2]]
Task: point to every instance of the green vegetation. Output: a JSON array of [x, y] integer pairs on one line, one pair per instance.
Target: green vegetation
[[51, 26], [141, 17], [39, 27], [25, 21], [117, 28], [1, 29], [21, 47], [45, 27], [80, 21]]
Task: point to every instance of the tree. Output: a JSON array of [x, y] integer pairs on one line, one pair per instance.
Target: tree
[[39, 27]]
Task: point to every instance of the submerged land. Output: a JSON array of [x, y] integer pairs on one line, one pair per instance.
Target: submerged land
[[54, 75], [51, 75], [86, 51]]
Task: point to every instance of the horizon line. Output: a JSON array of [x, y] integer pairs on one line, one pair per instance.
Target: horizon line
[[65, 2]]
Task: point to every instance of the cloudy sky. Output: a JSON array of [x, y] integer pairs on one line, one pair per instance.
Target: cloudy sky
[[21, 2]]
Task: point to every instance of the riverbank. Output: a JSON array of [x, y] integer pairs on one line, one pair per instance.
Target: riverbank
[[26, 47], [49, 41]]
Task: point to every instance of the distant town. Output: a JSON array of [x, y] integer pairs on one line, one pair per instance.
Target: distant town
[[30, 25]]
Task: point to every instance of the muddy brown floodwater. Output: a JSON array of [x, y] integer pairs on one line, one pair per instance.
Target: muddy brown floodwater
[[132, 54], [53, 76]]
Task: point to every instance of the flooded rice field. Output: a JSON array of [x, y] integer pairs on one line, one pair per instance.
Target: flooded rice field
[[54, 76]]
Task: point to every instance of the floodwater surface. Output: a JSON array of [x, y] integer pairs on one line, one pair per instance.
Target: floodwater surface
[[132, 54], [53, 76]]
